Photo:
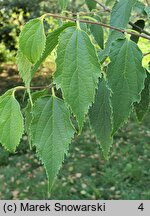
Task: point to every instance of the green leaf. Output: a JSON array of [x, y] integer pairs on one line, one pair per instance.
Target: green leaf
[[51, 43], [91, 4], [114, 35], [24, 67], [28, 112], [77, 71], [142, 107], [139, 8], [32, 40], [110, 2], [11, 121], [125, 78], [147, 10], [51, 133], [84, 27], [120, 15], [98, 33], [63, 4], [101, 117]]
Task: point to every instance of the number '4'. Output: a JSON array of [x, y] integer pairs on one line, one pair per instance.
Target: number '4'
[[141, 207]]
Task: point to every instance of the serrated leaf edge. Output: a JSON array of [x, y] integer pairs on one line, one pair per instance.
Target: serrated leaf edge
[[44, 43], [106, 156], [65, 153], [3, 143], [59, 86]]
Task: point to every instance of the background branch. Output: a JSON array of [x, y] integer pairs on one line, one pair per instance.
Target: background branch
[[98, 23], [140, 29], [130, 23], [103, 6], [146, 54], [34, 87]]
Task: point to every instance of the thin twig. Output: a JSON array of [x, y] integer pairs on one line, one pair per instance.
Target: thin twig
[[139, 28], [130, 23], [98, 23], [83, 13], [102, 5], [42, 87], [34, 87], [146, 54]]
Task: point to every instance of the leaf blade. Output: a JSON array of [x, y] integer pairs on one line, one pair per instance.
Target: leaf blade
[[32, 39], [142, 107], [51, 43], [147, 10], [24, 68], [77, 71], [63, 4], [101, 118], [52, 132], [120, 15], [125, 78], [91, 4], [11, 121], [98, 32], [28, 112]]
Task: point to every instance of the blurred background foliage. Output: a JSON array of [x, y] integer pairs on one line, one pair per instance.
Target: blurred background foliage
[[85, 174], [13, 15]]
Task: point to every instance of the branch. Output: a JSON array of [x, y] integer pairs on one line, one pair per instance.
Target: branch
[[146, 54], [34, 87], [103, 6], [83, 13], [42, 87], [98, 23], [130, 23], [140, 29]]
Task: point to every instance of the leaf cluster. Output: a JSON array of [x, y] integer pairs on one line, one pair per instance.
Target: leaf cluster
[[102, 81]]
